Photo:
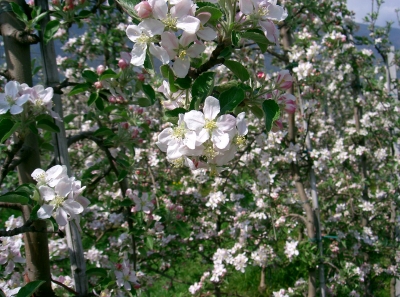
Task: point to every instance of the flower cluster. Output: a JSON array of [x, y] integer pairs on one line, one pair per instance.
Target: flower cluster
[[60, 195], [161, 20], [16, 95], [204, 135]]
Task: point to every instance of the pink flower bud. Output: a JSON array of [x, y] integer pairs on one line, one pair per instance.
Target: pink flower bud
[[139, 110], [141, 77], [260, 75], [125, 125], [122, 64], [143, 9], [55, 2], [100, 69], [135, 133], [112, 99], [98, 85]]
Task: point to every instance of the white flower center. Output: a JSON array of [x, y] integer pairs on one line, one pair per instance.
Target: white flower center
[[10, 100], [182, 54], [170, 22], [179, 132], [57, 201], [178, 163], [209, 151], [210, 125], [143, 39]]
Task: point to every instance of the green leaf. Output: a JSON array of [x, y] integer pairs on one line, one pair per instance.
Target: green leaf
[[122, 175], [79, 88], [259, 38], [183, 83], [30, 288], [202, 87], [175, 112], [238, 69], [109, 73], [102, 272], [5, 134], [216, 13], [235, 37], [34, 211], [183, 229], [92, 98], [83, 14], [231, 98], [143, 102], [226, 52], [150, 242], [47, 146], [19, 12], [50, 29], [271, 113], [99, 103], [90, 76], [54, 223], [39, 17], [149, 92], [15, 197], [69, 118], [48, 125], [103, 131]]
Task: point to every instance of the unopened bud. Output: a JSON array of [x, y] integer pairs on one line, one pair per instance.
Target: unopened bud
[[100, 69], [143, 9]]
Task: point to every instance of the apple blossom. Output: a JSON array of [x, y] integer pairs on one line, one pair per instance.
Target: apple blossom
[[11, 100]]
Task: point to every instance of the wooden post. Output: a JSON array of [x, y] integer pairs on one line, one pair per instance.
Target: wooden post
[[76, 252]]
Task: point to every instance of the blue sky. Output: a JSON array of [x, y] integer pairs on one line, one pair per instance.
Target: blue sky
[[387, 11]]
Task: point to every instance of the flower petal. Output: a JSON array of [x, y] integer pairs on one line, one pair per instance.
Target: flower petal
[[211, 108], [45, 211], [138, 54], [194, 120]]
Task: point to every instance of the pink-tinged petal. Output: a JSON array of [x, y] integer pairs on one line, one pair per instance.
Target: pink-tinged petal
[[241, 124], [160, 8], [196, 50], [46, 193], [160, 53], [11, 88], [226, 122], [194, 120], [181, 9], [63, 187], [72, 207], [181, 67], [189, 24], [133, 32], [22, 100], [190, 139], [4, 107], [10, 267], [275, 12], [202, 136], [173, 151], [198, 151], [211, 108], [15, 109], [3, 259], [246, 6], [151, 27], [37, 173], [82, 201], [204, 17], [45, 211], [207, 34], [165, 136], [170, 43], [270, 30], [220, 139], [53, 175], [18, 259], [61, 217], [127, 285], [138, 54], [187, 38], [49, 95], [227, 156]]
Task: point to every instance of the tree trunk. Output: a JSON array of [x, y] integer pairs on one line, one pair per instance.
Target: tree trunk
[[17, 50]]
